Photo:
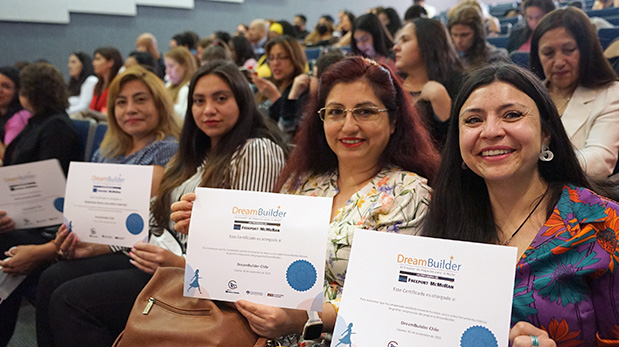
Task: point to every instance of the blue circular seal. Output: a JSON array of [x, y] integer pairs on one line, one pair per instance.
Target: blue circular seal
[[301, 275], [59, 204], [478, 336], [135, 223]]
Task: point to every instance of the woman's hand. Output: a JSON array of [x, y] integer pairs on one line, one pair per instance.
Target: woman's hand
[[6, 223], [26, 258], [266, 88], [181, 213], [270, 321], [299, 84], [523, 335], [69, 245], [148, 258]]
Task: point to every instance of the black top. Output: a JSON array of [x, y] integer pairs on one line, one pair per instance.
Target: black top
[[45, 137], [518, 36]]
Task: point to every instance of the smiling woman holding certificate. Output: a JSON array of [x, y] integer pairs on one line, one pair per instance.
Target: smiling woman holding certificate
[[225, 143], [510, 177], [361, 144]]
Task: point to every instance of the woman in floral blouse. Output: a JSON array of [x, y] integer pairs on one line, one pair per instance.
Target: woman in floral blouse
[[510, 177]]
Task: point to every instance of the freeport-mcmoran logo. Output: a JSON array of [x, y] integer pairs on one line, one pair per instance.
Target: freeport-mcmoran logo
[[108, 179], [444, 264], [262, 212]]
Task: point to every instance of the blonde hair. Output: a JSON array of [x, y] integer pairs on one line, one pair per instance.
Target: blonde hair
[[184, 57], [116, 141]]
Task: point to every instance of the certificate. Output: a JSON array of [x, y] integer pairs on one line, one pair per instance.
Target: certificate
[[415, 291], [263, 247], [108, 203], [32, 194]]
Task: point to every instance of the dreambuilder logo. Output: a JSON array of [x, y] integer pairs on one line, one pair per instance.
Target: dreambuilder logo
[[430, 263], [107, 184], [108, 179], [261, 212]]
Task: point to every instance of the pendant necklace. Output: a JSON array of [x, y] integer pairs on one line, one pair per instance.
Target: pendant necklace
[[526, 219]]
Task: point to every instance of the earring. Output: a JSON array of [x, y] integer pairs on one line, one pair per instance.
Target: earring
[[463, 166], [546, 154]]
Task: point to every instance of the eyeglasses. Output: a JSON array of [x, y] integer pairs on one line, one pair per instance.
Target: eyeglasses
[[361, 114], [278, 58]]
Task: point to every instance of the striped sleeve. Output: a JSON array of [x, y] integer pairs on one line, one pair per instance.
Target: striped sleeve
[[257, 165]]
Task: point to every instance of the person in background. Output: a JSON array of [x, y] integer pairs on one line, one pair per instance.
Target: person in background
[[601, 4], [430, 10], [203, 44], [217, 51], [433, 72], [82, 82], [469, 36], [567, 55], [180, 66], [344, 28], [280, 27], [242, 53], [300, 21], [147, 42], [49, 134], [509, 177], [286, 59], [143, 59], [390, 20], [322, 34], [369, 40], [520, 36], [414, 12], [225, 144], [257, 35], [13, 117], [187, 39], [106, 63]]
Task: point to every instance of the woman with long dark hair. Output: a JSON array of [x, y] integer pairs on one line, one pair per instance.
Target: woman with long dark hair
[[106, 64], [82, 82], [369, 40], [509, 177]]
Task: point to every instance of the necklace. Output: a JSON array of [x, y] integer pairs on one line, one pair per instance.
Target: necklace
[[526, 219]]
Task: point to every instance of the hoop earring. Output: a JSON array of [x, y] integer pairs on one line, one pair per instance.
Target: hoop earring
[[546, 154]]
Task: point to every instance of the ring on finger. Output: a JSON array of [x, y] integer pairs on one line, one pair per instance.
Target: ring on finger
[[534, 341]]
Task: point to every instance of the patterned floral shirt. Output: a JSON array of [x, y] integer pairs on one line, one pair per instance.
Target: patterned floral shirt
[[393, 201], [566, 281]]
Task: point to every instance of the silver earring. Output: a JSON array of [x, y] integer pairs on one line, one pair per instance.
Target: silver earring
[[463, 166], [546, 154]]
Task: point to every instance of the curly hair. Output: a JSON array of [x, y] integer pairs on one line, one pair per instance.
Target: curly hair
[[43, 85]]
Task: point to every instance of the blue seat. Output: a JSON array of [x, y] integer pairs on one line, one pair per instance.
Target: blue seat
[[97, 138], [312, 53], [506, 29], [607, 36], [499, 41], [510, 20], [500, 9], [520, 58], [85, 131], [607, 12]]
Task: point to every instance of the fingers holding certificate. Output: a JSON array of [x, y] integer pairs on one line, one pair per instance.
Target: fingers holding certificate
[[108, 203]]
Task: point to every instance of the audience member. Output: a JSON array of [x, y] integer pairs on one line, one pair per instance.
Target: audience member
[[180, 66], [187, 39], [299, 23], [257, 35], [217, 51], [430, 10], [82, 82], [203, 44], [469, 36], [414, 12], [520, 36], [241, 29], [147, 42], [220, 156], [567, 55], [390, 20], [361, 144], [510, 177], [143, 59], [344, 28], [433, 72], [107, 61], [13, 117], [242, 53], [281, 27], [322, 34], [369, 40], [49, 134], [600, 4]]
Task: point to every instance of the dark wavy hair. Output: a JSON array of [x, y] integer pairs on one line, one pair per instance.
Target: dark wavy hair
[[370, 23], [395, 23], [242, 49], [461, 196], [75, 84], [43, 85], [593, 69], [437, 50], [194, 144], [472, 17], [410, 146], [109, 53]]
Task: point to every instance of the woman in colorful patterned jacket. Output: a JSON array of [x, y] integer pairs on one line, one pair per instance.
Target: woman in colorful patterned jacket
[[510, 177]]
